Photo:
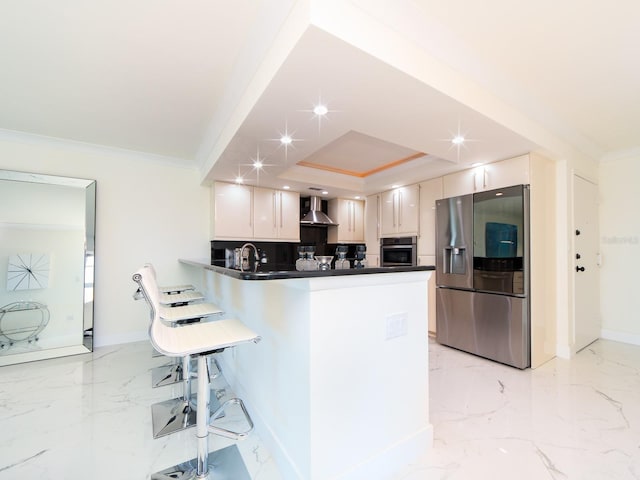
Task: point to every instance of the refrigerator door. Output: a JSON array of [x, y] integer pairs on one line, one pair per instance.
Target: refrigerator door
[[485, 324], [501, 240], [454, 242]]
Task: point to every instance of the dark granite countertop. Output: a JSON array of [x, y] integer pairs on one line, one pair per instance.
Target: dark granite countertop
[[285, 274]]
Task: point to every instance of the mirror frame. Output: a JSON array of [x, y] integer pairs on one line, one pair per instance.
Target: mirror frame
[[86, 346]]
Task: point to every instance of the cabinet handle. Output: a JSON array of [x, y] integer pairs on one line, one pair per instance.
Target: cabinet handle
[[395, 196], [352, 216], [281, 224], [378, 215], [484, 178], [400, 208], [251, 208], [273, 208]]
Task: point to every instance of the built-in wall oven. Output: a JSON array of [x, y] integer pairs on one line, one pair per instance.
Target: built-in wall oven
[[398, 252]]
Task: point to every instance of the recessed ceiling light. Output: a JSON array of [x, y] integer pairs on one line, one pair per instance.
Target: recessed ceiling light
[[457, 140], [239, 180], [286, 187], [477, 164], [257, 164], [286, 140], [320, 110], [324, 192], [357, 197], [395, 186]]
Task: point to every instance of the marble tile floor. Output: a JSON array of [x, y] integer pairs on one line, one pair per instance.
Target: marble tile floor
[[87, 417], [568, 419]]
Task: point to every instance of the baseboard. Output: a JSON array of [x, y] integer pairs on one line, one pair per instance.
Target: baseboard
[[387, 464], [623, 337], [106, 340]]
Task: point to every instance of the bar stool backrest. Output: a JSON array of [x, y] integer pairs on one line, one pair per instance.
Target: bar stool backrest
[[146, 279]]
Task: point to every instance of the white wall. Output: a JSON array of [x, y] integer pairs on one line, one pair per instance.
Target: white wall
[[620, 247], [147, 211]]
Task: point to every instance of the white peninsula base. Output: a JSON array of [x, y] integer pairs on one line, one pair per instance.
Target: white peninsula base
[[338, 386]]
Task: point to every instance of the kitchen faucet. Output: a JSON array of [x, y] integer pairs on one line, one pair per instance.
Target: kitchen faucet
[[256, 256]]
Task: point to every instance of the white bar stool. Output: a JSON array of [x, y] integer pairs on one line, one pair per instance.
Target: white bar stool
[[179, 413], [200, 339]]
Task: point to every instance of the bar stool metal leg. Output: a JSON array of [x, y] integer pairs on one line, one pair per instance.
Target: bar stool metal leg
[[176, 414], [223, 464]]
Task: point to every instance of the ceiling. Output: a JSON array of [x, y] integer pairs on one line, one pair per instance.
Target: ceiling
[[193, 83]]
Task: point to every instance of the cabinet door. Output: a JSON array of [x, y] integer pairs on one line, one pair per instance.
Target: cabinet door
[[373, 260], [388, 215], [358, 221], [514, 171], [232, 211], [408, 200], [265, 213], [276, 215], [289, 216], [506, 173], [430, 191], [372, 224], [349, 214], [459, 183]]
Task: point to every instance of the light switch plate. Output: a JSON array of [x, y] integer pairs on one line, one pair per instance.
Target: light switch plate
[[397, 325]]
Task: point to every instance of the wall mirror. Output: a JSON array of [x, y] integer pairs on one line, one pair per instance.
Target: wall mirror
[[47, 236]]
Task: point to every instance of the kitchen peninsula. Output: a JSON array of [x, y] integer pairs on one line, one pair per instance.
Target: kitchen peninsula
[[338, 386]]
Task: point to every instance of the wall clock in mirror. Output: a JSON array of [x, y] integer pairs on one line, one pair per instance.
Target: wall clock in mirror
[[28, 271]]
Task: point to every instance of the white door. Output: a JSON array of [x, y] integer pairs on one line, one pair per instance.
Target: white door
[[586, 248]]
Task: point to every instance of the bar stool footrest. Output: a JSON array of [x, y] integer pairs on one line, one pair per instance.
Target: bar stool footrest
[[220, 412]]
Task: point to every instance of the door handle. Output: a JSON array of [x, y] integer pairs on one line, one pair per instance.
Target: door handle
[[579, 269], [577, 232]]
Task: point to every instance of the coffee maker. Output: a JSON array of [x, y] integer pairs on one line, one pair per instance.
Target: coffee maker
[[361, 257], [341, 260]]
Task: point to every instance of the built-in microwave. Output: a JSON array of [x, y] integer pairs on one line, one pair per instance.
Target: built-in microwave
[[398, 252]]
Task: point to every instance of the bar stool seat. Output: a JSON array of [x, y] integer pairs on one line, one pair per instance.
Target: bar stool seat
[[180, 298], [190, 312], [174, 289], [201, 339]]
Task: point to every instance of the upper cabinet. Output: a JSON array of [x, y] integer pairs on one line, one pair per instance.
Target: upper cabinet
[[276, 215], [399, 209], [372, 224], [232, 211], [514, 171], [349, 215], [430, 191], [242, 212]]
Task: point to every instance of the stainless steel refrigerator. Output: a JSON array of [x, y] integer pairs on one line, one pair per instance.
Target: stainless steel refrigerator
[[482, 274]]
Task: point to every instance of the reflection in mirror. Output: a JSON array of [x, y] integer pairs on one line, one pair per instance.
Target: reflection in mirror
[[47, 236]]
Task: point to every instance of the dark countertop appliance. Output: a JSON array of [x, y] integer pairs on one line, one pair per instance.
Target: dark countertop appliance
[[398, 252]]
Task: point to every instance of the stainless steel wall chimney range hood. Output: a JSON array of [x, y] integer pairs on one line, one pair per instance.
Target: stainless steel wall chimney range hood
[[316, 216]]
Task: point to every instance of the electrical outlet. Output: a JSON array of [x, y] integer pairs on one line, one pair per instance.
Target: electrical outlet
[[397, 325]]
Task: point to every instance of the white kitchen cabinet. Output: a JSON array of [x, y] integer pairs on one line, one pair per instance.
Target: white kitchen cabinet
[[430, 191], [373, 260], [276, 215], [514, 171], [400, 209], [349, 215], [372, 224], [232, 211]]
